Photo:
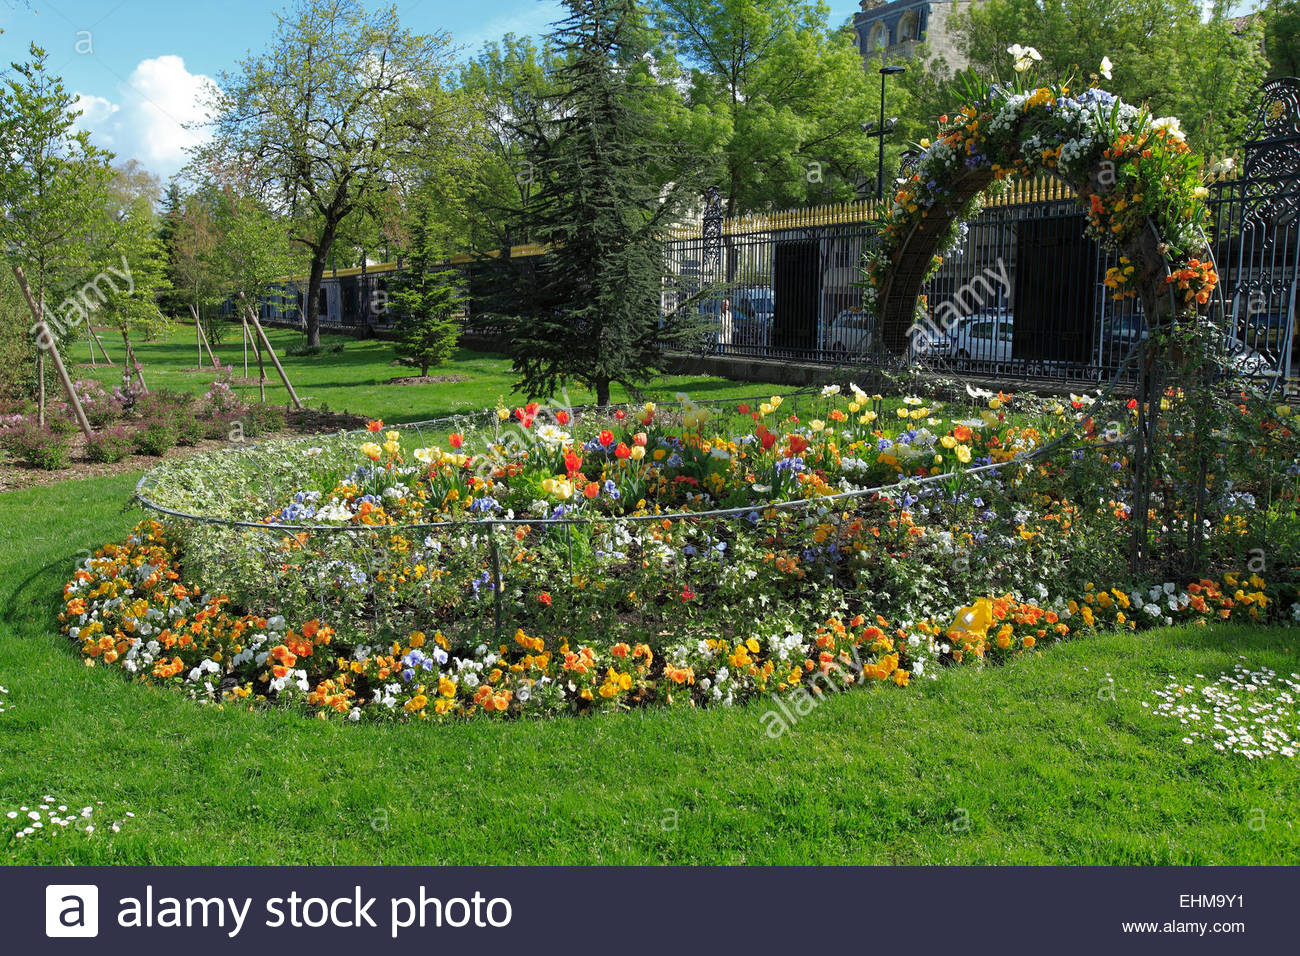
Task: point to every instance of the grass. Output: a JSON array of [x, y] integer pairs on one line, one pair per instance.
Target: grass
[[1036, 762], [1031, 763], [355, 379]]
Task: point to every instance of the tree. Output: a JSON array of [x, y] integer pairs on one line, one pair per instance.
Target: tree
[[193, 259], [127, 247], [778, 96], [327, 119], [425, 297], [610, 182], [252, 249], [1282, 37], [1203, 71], [52, 181], [513, 82]]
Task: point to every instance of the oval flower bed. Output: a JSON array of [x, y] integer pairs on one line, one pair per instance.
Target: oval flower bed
[[698, 555]]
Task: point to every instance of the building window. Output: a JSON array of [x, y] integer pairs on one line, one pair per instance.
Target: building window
[[879, 38], [909, 27]]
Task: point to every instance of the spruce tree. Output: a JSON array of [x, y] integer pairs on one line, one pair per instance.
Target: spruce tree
[[610, 181], [425, 297]]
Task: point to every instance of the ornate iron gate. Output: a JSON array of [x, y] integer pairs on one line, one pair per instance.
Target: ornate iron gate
[[1256, 231]]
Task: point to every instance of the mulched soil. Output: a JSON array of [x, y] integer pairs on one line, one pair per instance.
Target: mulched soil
[[426, 380], [306, 422]]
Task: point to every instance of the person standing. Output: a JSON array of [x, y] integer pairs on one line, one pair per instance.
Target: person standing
[[726, 329]]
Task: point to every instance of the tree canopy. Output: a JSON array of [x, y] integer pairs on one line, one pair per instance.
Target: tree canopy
[[343, 103]]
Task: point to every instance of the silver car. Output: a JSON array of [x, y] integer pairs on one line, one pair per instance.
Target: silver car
[[982, 337]]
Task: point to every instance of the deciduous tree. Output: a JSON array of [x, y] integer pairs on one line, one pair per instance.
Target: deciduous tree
[[340, 104]]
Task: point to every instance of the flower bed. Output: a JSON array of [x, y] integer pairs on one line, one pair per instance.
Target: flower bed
[[691, 555], [129, 608]]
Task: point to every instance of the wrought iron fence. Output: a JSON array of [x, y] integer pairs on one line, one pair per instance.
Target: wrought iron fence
[[1022, 296]]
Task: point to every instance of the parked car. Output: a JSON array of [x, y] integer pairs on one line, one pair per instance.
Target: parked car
[[851, 332], [1119, 333], [982, 337], [753, 307]]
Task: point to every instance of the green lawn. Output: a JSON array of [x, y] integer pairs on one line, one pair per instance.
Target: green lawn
[[354, 380], [1031, 763]]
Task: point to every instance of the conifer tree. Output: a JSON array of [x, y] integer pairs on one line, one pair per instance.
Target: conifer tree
[[425, 297], [610, 181]]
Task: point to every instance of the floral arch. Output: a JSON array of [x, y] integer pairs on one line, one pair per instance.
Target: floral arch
[[1136, 176]]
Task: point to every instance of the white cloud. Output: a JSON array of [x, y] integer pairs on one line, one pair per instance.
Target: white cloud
[[148, 124]]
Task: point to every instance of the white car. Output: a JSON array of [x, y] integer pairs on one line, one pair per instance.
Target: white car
[[982, 337], [851, 332]]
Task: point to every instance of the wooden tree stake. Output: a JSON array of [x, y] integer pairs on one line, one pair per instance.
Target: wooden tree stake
[[266, 344], [43, 335], [94, 335], [203, 339]]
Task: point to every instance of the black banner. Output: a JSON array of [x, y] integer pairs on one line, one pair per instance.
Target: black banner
[[645, 910]]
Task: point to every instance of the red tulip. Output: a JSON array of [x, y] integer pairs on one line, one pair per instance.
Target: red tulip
[[562, 417], [456, 440]]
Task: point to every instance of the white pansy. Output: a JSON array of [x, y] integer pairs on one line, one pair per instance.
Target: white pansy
[[1025, 56]]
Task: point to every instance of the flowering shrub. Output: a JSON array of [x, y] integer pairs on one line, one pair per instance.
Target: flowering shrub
[[157, 435], [109, 445], [43, 448]]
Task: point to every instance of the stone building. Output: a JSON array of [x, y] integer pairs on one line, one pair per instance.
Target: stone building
[[898, 27]]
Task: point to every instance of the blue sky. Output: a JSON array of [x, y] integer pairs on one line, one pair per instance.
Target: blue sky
[[140, 65]]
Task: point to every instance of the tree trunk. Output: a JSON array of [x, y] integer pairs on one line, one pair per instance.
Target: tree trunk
[[40, 366], [45, 339], [313, 295], [602, 392], [319, 257], [40, 389]]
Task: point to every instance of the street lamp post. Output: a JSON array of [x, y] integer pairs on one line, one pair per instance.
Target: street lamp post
[[880, 130]]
